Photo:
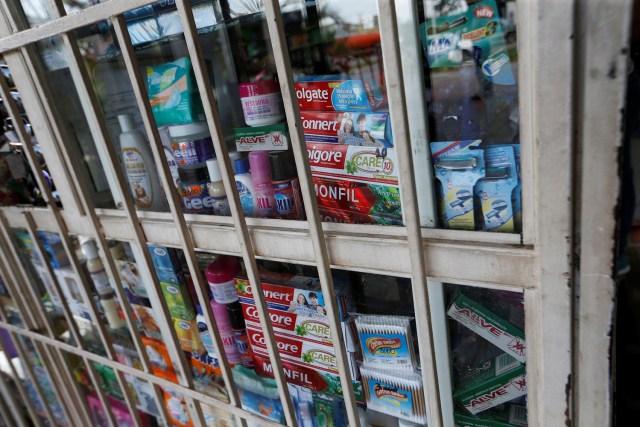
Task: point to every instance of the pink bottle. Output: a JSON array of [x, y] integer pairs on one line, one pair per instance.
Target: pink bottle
[[226, 332], [262, 186]]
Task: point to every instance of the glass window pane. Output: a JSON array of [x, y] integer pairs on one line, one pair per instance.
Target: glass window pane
[[471, 76]]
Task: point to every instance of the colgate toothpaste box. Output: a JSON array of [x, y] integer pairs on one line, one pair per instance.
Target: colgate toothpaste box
[[294, 294], [356, 184], [308, 353], [310, 378], [349, 128], [331, 93]]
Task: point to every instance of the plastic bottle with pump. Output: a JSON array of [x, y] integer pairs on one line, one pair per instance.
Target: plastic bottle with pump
[[244, 184], [101, 282], [139, 166]]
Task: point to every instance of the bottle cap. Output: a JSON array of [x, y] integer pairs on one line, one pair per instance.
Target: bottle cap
[[241, 166], [89, 248], [222, 270], [262, 87], [192, 129], [259, 164], [126, 122], [282, 165], [214, 170], [235, 315], [233, 156], [193, 173]]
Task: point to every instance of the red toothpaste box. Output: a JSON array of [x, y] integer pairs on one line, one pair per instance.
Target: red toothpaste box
[[356, 184], [330, 93], [307, 353], [313, 379], [349, 128]]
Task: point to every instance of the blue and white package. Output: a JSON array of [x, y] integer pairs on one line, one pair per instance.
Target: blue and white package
[[396, 393], [386, 341], [458, 165], [517, 193], [334, 93], [495, 190], [166, 263]]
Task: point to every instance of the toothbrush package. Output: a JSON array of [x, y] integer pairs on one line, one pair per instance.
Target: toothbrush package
[[496, 189], [458, 166], [173, 94], [396, 393], [386, 341]]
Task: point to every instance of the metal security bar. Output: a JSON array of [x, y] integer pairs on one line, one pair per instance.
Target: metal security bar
[[500, 261]]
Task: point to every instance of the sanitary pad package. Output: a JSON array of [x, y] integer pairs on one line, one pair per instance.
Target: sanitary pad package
[[173, 93]]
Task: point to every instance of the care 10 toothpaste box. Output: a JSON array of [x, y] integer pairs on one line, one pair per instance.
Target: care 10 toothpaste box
[[356, 184]]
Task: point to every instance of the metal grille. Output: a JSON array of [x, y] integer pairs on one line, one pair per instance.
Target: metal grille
[[535, 262]]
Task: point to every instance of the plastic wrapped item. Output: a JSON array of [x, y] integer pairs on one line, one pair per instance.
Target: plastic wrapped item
[[395, 392], [509, 415], [386, 341]]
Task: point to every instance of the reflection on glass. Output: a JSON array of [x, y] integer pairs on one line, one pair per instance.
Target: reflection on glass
[[472, 90], [488, 355], [38, 12]]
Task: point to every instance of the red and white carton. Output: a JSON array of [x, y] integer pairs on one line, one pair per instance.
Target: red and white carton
[[330, 93]]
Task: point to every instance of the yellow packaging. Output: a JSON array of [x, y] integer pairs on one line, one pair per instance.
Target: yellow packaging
[[188, 335]]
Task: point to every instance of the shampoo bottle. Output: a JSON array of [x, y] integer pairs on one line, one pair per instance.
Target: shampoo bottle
[[261, 177], [245, 187], [138, 164], [101, 282]]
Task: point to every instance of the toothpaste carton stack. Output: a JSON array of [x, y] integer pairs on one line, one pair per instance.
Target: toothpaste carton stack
[[486, 383], [302, 331], [350, 145]]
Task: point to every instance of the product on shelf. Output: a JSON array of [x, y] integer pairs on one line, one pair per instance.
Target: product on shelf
[[258, 394], [221, 317], [177, 409], [507, 415], [458, 167], [220, 276], [386, 341], [241, 337], [495, 191], [139, 166], [361, 129], [166, 263], [216, 190], [118, 409], [178, 301], [128, 270], [288, 200], [159, 358], [262, 138], [356, 184], [173, 94], [261, 102], [262, 185], [494, 382], [395, 392], [331, 93], [498, 331], [194, 182], [244, 185], [191, 143], [188, 335]]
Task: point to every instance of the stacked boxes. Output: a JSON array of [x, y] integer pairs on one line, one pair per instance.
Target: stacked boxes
[[350, 146], [302, 331]]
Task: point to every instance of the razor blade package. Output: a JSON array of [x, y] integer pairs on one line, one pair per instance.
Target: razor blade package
[[386, 341], [476, 33], [495, 191], [458, 167]]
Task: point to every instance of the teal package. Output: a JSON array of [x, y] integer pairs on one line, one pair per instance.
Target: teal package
[[517, 192], [173, 94], [477, 33], [458, 165], [495, 190]]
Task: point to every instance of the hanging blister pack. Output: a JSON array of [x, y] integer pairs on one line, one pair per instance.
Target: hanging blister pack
[[398, 393], [458, 166], [386, 341], [495, 190]]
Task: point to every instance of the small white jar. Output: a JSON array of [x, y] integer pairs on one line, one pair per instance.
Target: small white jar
[[261, 103]]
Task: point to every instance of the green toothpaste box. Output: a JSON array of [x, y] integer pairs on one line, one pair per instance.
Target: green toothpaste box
[[490, 384], [507, 416], [489, 326]]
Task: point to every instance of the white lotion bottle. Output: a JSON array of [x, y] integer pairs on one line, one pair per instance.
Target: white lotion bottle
[[244, 184], [139, 167]]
